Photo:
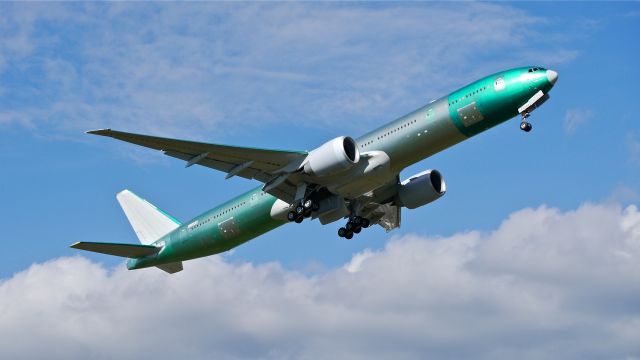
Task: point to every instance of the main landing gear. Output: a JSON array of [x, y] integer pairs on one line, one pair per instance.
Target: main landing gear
[[302, 210], [354, 226], [524, 124]]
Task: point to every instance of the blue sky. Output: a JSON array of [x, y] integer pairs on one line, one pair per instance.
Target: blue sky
[[291, 76]]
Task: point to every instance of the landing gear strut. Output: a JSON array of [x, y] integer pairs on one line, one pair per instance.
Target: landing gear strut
[[353, 226], [524, 124]]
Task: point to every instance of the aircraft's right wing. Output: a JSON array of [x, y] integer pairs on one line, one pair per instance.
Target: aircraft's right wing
[[250, 163]]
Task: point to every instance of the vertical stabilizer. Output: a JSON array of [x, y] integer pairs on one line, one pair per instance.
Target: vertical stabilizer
[[148, 222]]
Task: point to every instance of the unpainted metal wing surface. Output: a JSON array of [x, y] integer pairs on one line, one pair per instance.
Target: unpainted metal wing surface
[[250, 163]]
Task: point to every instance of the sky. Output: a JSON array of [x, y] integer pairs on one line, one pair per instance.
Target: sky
[[534, 251]]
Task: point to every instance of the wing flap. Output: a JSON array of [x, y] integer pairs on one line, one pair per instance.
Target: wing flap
[[124, 250], [221, 165]]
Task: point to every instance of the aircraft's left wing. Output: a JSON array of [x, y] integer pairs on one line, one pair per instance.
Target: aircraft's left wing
[[250, 163]]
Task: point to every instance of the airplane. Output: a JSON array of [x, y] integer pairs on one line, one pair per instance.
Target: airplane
[[345, 178]]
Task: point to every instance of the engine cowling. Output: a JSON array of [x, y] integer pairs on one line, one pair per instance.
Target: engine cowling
[[333, 157], [421, 189]]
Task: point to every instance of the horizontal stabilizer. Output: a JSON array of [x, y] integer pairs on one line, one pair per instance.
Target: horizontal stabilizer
[[124, 250], [171, 268]]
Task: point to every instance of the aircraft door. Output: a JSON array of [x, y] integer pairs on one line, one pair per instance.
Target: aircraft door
[[470, 115], [229, 228]]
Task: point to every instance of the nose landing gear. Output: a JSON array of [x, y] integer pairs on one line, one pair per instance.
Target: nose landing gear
[[524, 124], [353, 226]]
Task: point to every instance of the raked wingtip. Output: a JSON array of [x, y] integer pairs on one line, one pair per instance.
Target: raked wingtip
[[99, 132]]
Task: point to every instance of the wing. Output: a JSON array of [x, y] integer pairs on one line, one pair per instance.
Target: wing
[[267, 166]]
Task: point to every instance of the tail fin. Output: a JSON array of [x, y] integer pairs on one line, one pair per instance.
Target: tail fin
[[148, 222]]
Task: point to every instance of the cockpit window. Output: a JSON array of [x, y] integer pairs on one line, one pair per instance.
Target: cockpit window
[[536, 69]]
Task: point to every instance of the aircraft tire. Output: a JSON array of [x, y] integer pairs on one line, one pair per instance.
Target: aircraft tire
[[342, 232], [308, 204], [526, 126], [357, 229], [299, 219], [348, 235], [291, 216]]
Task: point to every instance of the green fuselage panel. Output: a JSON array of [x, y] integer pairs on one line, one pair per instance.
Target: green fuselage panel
[[220, 229]]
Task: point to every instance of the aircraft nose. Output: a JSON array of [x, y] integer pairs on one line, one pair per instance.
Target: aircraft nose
[[552, 76]]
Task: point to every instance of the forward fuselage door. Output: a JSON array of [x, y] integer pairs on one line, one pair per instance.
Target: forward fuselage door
[[229, 228]]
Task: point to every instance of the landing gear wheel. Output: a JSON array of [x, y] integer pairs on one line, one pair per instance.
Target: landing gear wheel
[[299, 209], [525, 126], [299, 219], [291, 216], [348, 235], [307, 213], [349, 226], [308, 204], [342, 232], [366, 223], [357, 220], [357, 229]]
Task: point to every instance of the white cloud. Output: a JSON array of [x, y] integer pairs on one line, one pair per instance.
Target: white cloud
[[545, 284], [574, 118], [206, 69], [624, 194]]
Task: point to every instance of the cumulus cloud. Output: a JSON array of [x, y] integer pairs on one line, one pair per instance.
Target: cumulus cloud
[[201, 69], [545, 284], [574, 118]]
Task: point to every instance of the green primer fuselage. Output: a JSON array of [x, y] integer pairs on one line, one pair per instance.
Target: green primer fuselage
[[411, 138]]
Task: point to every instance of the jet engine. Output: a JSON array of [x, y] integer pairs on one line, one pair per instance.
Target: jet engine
[[421, 189], [332, 157]]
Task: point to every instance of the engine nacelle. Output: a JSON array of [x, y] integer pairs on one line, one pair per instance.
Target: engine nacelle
[[421, 189], [332, 157]]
